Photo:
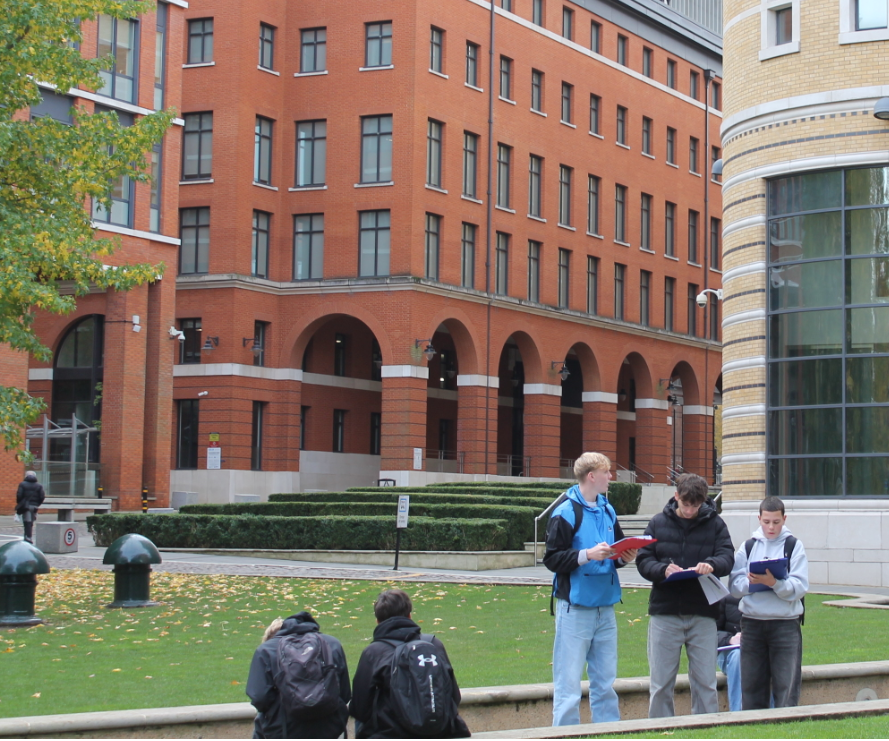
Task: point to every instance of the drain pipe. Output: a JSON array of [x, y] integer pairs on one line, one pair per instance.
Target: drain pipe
[[489, 215]]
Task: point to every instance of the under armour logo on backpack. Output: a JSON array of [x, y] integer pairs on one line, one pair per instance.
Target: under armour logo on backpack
[[423, 660]]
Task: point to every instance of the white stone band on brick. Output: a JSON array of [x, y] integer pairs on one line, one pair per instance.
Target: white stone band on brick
[[741, 459], [754, 315], [652, 404], [543, 389], [404, 371], [40, 374], [748, 410], [746, 223], [599, 396], [751, 268], [756, 361], [824, 162], [476, 380], [697, 409], [204, 370]]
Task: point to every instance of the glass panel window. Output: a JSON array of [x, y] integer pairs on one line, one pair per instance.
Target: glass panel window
[[467, 272], [692, 236], [783, 26], [647, 55], [671, 74], [564, 277], [595, 37], [620, 213], [693, 154], [714, 317], [567, 102], [470, 165], [568, 23], [693, 80], [592, 217], [118, 38], [187, 433], [373, 243], [621, 125], [376, 149], [622, 43], [534, 271], [807, 237], [716, 96], [262, 151], [669, 302], [313, 51], [260, 340], [870, 14], [817, 382], [339, 430], [867, 186], [200, 41], [308, 246], [806, 333], [595, 104], [693, 309], [504, 157], [190, 348], [671, 146], [592, 285], [506, 5], [537, 12], [535, 172], [619, 273], [256, 436], [436, 49], [197, 146], [160, 55], [433, 240], [813, 192], [565, 174], [646, 135], [471, 64], [806, 431], [715, 234], [501, 268], [644, 298], [645, 222], [194, 231], [536, 90], [378, 44], [715, 156], [865, 381], [670, 229], [506, 78], [156, 180], [867, 330], [311, 153], [434, 136], [259, 254], [266, 46]]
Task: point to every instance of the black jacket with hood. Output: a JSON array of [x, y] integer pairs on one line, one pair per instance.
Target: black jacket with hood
[[685, 543], [270, 722], [728, 623], [30, 495], [370, 705]]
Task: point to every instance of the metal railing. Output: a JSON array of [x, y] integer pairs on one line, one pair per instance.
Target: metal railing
[[66, 479], [625, 475], [513, 465], [444, 461], [642, 473], [557, 501], [566, 468], [674, 473]]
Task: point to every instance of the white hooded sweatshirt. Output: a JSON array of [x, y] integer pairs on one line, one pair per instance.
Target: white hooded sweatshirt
[[782, 602]]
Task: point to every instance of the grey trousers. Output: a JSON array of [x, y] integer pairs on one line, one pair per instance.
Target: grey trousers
[[666, 636]]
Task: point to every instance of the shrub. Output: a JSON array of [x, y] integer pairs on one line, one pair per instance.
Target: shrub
[[289, 533], [416, 495], [625, 497]]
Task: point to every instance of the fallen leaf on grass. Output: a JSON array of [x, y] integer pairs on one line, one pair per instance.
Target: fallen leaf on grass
[[36, 694], [115, 670]]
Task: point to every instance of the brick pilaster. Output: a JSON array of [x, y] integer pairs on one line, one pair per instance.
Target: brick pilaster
[[543, 428], [653, 435], [472, 402], [404, 415]]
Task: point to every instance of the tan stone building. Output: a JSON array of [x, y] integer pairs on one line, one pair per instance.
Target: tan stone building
[[806, 277]]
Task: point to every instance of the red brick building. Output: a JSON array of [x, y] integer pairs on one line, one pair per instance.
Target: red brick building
[[362, 181]]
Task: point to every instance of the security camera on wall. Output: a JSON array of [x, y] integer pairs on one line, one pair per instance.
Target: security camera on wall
[[177, 334], [702, 300]]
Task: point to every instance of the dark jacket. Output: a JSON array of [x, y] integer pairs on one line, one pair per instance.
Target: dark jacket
[[270, 723], [30, 495], [729, 621], [685, 543], [370, 704], [595, 584]]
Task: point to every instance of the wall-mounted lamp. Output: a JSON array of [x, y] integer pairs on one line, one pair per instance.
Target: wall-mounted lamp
[[717, 168], [255, 345], [671, 386], [429, 351], [674, 400], [210, 344], [881, 109], [378, 363], [622, 395], [563, 370]]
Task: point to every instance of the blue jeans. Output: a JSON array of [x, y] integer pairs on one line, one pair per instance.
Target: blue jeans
[[730, 664], [584, 635]]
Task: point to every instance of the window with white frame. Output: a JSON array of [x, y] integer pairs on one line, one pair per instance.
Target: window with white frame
[[779, 28], [863, 20]]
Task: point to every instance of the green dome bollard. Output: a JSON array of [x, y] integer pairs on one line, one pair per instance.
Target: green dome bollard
[[132, 556], [20, 562]]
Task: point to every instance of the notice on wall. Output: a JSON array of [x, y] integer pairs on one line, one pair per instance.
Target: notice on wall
[[214, 458], [418, 459]]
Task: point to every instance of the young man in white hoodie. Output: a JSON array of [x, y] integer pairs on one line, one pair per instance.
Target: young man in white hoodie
[[771, 639]]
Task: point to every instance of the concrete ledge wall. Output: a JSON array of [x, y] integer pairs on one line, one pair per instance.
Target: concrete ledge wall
[[484, 708]]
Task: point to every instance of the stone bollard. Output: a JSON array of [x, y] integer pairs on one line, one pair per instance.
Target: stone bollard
[[132, 556], [20, 562]]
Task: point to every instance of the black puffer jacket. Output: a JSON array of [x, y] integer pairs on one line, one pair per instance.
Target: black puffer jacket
[[30, 495], [728, 623], [370, 705], [685, 543], [270, 723]]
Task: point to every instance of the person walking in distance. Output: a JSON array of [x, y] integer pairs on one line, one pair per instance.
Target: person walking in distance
[[28, 498]]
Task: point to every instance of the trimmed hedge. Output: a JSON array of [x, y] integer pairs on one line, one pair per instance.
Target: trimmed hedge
[[519, 520], [289, 533], [417, 495], [558, 485], [625, 497]]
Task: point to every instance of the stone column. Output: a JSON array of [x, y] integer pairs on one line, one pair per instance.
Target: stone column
[[653, 439], [476, 395], [600, 423], [404, 416], [697, 441], [543, 428]]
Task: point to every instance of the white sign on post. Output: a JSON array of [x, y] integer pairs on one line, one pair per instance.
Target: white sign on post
[[418, 459], [404, 503], [214, 458]]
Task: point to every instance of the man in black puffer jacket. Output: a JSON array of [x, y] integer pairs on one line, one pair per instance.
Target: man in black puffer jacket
[[28, 498], [271, 722], [690, 535]]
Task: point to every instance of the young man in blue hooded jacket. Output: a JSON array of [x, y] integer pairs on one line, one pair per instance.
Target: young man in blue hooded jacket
[[586, 587]]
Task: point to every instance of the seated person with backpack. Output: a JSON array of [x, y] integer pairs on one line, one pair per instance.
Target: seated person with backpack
[[299, 682], [404, 685]]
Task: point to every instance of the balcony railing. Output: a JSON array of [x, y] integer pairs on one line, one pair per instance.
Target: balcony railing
[[444, 461], [513, 465]]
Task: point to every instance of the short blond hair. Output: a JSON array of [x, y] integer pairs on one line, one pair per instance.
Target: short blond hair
[[590, 462], [273, 629]]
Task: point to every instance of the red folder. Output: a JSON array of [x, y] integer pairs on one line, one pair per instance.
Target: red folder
[[628, 544]]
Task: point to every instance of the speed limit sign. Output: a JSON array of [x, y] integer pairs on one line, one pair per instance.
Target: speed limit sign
[[70, 536]]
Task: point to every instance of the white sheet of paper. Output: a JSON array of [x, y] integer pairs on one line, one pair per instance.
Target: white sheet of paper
[[714, 589]]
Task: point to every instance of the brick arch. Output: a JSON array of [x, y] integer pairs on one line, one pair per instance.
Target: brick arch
[[298, 337], [465, 335], [641, 375], [592, 380], [691, 391], [531, 358]]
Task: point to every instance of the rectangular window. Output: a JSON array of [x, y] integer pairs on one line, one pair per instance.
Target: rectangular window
[[154, 216], [467, 270], [436, 49], [160, 55], [506, 78], [339, 354], [715, 234], [619, 273], [504, 156], [434, 136], [565, 174], [118, 39], [783, 26], [621, 125], [378, 44], [506, 5], [311, 153], [622, 43], [501, 268], [376, 430], [190, 347], [259, 253], [266, 46], [692, 309], [669, 291], [564, 277], [871, 14], [671, 146], [568, 23], [693, 80], [534, 271], [339, 430], [376, 149], [256, 436], [567, 102], [715, 155], [714, 317], [715, 97], [373, 243], [535, 173], [592, 285], [647, 55], [644, 298], [194, 231], [197, 146], [260, 338], [433, 241], [595, 37], [470, 165], [693, 154], [308, 246], [537, 12], [262, 151], [303, 426], [471, 64], [671, 74], [595, 102], [313, 51], [187, 433], [200, 41], [620, 213], [692, 236], [592, 205], [670, 229], [645, 222], [646, 135], [536, 90]]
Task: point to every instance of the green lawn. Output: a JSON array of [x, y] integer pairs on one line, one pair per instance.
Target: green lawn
[[869, 727], [196, 647]]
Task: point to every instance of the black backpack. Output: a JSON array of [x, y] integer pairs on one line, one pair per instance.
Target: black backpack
[[307, 678], [789, 545], [421, 688]]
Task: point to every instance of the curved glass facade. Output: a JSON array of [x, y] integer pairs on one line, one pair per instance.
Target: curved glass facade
[[828, 334]]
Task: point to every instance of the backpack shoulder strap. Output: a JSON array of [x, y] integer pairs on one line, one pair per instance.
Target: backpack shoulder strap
[[748, 546], [789, 545], [578, 516]]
